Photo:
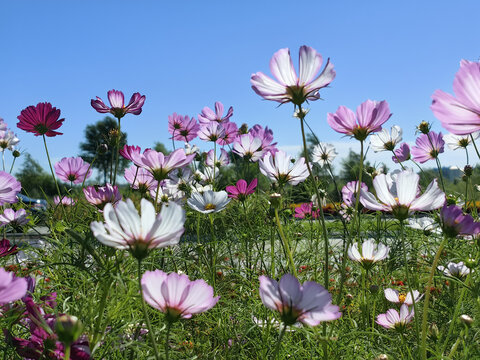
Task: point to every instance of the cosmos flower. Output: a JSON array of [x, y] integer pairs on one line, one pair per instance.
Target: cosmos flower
[[167, 192], [458, 270], [208, 115], [323, 154], [402, 153], [370, 117], [394, 320], [9, 188], [188, 131], [65, 200], [306, 211], [8, 140], [241, 189], [455, 142], [349, 191], [428, 147], [248, 147], [6, 248], [289, 87], [128, 150], [454, 222], [371, 253], [126, 229], [425, 224], [229, 134], [309, 303], [160, 165], [386, 141], [100, 196], [460, 114], [280, 169], [40, 120], [73, 170], [117, 104], [211, 132], [13, 218], [266, 136], [140, 179], [176, 295], [219, 161], [401, 298], [11, 287], [209, 201], [398, 193], [175, 123]]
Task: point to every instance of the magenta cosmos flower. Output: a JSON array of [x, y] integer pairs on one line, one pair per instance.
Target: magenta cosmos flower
[[306, 211], [160, 165], [6, 248], [241, 189], [100, 196], [117, 104], [394, 320], [230, 133], [128, 150], [40, 120], [266, 136], [460, 114], [370, 117], [289, 87], [454, 222], [428, 146], [12, 217], [73, 170], [11, 287], [9, 188], [309, 303], [208, 115], [402, 153], [176, 295], [398, 193]]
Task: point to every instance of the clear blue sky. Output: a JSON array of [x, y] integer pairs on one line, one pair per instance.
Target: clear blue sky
[[185, 55]]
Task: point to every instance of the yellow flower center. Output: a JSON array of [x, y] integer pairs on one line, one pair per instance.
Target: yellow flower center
[[210, 206], [402, 298]]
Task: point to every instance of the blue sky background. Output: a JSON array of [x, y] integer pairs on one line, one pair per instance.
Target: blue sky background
[[185, 55]]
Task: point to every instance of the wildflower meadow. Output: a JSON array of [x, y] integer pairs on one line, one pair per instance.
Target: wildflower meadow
[[227, 247]]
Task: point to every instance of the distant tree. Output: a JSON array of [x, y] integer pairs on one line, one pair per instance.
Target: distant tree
[[102, 132], [160, 147], [351, 166], [36, 182]]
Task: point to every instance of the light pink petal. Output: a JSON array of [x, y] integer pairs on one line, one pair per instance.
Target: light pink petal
[[281, 67]]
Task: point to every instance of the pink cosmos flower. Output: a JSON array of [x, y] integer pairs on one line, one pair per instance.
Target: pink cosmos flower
[[6, 248], [211, 132], [100, 196], [140, 178], [279, 168], [393, 320], [188, 131], [289, 87], [176, 295], [207, 115], [3, 125], [306, 211], [11, 287], [160, 165], [402, 153], [65, 200], [428, 146], [460, 114], [454, 222], [309, 303], [398, 193], [241, 190], [40, 120], [248, 147], [370, 117], [402, 298], [73, 170], [349, 191], [230, 133], [128, 150], [9, 188], [175, 123], [14, 218], [219, 161], [265, 135], [117, 105]]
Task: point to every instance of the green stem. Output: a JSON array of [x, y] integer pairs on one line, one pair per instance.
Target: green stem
[[423, 344], [66, 352], [399, 162], [145, 313], [167, 337], [13, 163], [475, 146], [213, 253], [272, 253], [103, 302], [51, 168], [359, 187], [286, 245], [280, 337], [117, 148]]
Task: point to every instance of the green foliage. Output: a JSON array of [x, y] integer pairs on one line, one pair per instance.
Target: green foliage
[[35, 181], [160, 147]]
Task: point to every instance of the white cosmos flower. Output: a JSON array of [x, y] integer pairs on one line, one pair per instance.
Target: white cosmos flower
[[201, 188], [126, 229], [323, 154], [455, 142], [455, 270], [214, 160], [398, 193], [386, 141], [8, 140], [208, 201], [401, 298], [280, 169], [426, 224], [371, 253], [248, 147]]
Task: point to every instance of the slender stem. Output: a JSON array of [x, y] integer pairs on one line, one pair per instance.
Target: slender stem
[[466, 152], [66, 352], [51, 168], [286, 245], [475, 145], [167, 337], [213, 253], [145, 313], [214, 163], [13, 163], [3, 159], [89, 167], [103, 302], [359, 187], [423, 345], [280, 337], [156, 195], [117, 148], [272, 253], [173, 140], [398, 160]]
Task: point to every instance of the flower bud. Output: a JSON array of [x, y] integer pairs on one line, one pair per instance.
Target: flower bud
[[276, 200], [468, 170], [68, 328], [471, 263], [424, 127], [243, 129], [102, 149], [433, 331], [373, 288], [467, 320], [16, 153]]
